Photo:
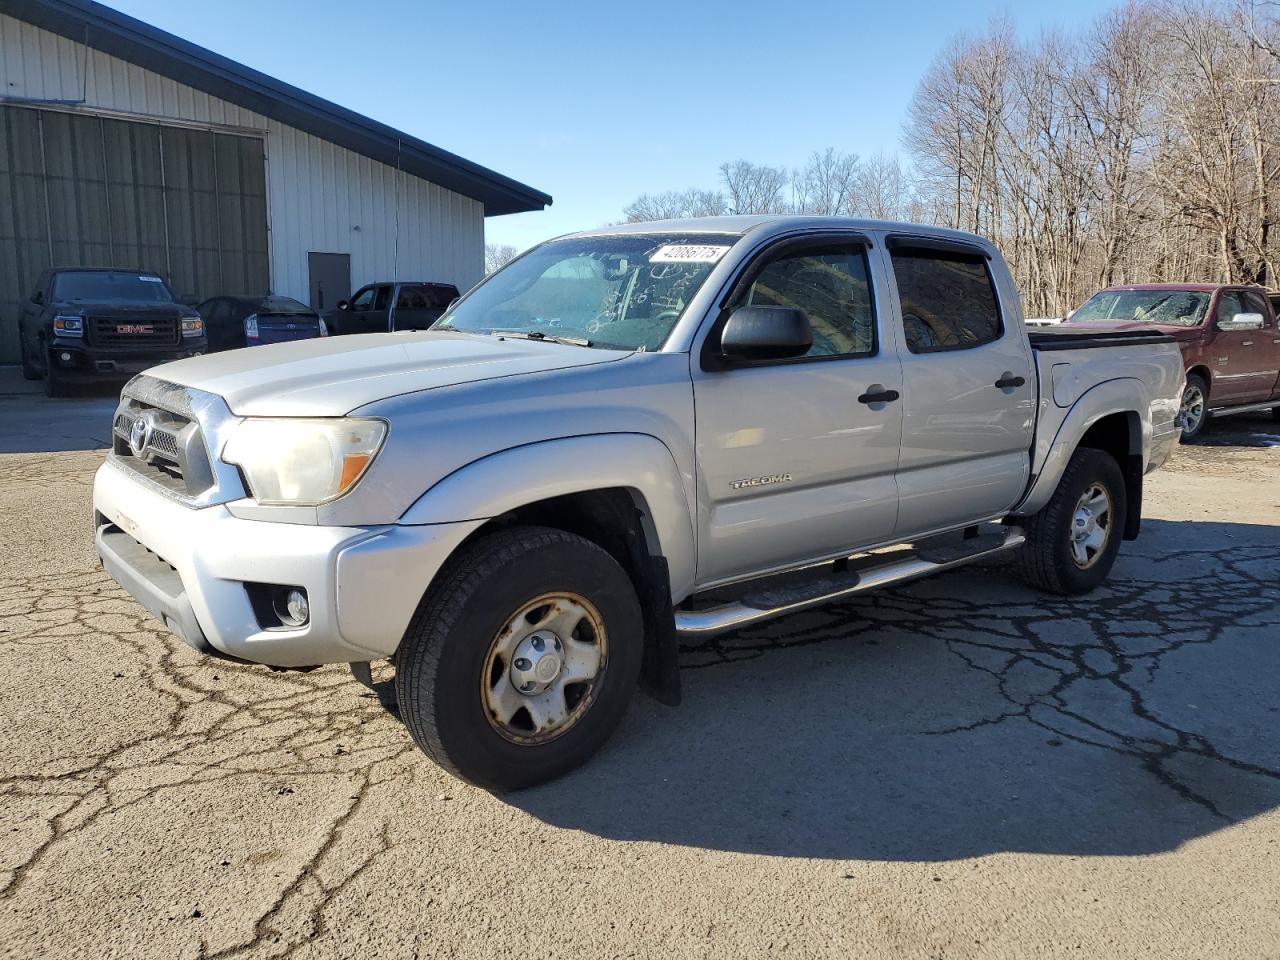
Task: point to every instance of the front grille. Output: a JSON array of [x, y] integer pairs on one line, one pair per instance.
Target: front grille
[[171, 451], [126, 333]]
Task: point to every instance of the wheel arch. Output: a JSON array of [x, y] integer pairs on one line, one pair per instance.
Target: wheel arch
[[1204, 373], [623, 492], [1106, 417]]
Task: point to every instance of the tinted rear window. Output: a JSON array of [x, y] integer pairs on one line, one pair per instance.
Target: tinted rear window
[[948, 301], [285, 305]]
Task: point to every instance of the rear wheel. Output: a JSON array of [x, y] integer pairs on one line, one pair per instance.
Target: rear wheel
[[29, 369], [521, 659], [1073, 541], [1195, 407]]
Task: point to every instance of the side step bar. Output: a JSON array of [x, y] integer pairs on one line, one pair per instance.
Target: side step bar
[[1249, 408], [828, 587]]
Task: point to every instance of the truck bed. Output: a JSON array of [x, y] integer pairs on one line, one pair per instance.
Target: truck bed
[[1077, 338]]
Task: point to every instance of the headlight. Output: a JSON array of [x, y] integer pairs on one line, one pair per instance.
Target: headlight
[[68, 326], [303, 462], [192, 327]]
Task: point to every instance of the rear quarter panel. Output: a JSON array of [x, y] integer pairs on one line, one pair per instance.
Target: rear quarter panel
[[1080, 387]]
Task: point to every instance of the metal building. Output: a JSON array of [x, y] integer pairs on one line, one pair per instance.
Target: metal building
[[122, 145]]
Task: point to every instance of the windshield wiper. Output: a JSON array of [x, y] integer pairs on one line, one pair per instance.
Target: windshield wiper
[[540, 336]]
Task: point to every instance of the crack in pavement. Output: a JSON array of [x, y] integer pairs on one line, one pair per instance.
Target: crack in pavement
[[1127, 626]]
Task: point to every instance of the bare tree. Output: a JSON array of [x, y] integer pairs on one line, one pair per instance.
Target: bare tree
[[825, 185], [497, 256], [881, 189], [674, 205], [754, 188]]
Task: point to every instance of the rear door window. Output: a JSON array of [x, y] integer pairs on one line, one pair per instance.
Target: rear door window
[[948, 300]]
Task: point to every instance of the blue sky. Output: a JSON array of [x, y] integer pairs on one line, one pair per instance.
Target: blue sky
[[598, 102]]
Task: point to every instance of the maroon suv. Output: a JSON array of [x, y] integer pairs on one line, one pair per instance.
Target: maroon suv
[[1229, 338]]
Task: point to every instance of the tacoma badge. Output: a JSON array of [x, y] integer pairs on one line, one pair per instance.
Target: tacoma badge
[[761, 481]]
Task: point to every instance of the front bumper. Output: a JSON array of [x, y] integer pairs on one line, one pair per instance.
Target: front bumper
[[77, 361], [189, 568]]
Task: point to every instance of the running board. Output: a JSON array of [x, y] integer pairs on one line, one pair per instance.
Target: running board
[[828, 587], [1248, 408]]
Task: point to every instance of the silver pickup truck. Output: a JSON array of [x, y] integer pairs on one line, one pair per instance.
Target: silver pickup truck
[[626, 436]]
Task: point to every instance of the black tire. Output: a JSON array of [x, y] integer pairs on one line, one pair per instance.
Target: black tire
[[446, 648], [55, 384], [1046, 560], [1195, 382], [29, 370]]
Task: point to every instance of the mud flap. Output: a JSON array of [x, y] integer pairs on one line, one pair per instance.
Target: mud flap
[[660, 668]]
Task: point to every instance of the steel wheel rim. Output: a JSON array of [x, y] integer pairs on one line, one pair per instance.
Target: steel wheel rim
[[1091, 525], [522, 699], [1192, 408]]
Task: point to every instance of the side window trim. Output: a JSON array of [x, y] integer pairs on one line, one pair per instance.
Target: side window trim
[[756, 263], [939, 249]]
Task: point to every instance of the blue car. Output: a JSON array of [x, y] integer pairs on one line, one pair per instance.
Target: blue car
[[232, 322]]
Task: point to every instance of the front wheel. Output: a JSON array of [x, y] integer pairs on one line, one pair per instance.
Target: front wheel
[[1195, 408], [1073, 541], [521, 658]]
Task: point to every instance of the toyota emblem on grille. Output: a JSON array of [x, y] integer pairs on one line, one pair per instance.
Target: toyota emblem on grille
[[140, 435]]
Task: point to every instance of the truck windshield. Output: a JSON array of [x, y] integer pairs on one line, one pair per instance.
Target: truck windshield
[[1183, 308], [105, 287], [619, 292]]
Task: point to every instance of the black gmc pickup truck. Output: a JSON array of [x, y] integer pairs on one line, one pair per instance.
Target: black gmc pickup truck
[[90, 324]]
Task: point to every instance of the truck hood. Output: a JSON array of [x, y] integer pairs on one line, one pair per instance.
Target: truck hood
[[1175, 330], [332, 376]]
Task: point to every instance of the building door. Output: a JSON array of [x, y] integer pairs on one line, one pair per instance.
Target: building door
[[330, 279], [83, 190]]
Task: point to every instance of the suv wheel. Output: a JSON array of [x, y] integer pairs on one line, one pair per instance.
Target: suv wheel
[[1073, 541], [521, 659], [1195, 408]]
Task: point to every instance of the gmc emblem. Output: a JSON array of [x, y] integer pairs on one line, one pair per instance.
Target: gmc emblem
[[135, 328]]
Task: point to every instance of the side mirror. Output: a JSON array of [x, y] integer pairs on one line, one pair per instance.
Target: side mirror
[[1242, 321], [343, 305], [37, 298], [766, 333]]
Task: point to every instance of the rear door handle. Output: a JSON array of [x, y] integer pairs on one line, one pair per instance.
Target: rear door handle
[[878, 394], [1009, 380]]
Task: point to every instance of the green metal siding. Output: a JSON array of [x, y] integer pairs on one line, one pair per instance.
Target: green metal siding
[[83, 190]]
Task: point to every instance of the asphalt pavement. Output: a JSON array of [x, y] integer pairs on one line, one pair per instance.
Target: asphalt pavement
[[958, 768]]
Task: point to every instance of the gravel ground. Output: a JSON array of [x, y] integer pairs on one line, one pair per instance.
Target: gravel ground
[[961, 768]]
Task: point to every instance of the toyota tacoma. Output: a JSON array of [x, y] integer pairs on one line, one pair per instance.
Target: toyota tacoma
[[625, 437]]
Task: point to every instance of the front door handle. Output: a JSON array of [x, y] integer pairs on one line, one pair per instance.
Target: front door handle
[[1009, 381], [878, 394]]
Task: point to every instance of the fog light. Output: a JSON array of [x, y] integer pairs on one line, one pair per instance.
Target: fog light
[[65, 357], [292, 607]]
